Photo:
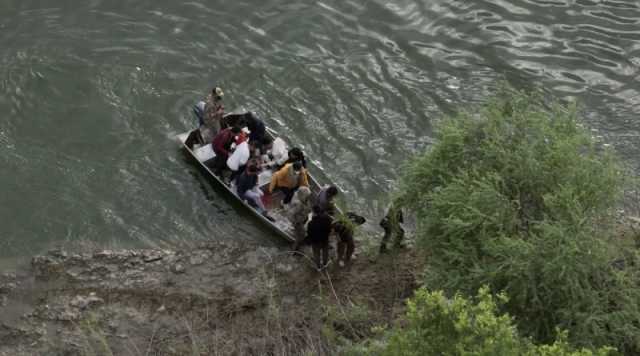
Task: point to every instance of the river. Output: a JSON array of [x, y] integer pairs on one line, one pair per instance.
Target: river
[[92, 93]]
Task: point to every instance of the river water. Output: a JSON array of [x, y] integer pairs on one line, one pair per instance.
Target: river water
[[92, 92]]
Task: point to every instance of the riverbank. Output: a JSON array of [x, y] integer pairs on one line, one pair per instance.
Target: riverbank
[[215, 299]]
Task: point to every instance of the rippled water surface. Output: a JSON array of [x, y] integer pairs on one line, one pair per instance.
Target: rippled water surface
[[91, 93]]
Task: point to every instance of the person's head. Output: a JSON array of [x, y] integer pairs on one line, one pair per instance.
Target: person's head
[[303, 193], [295, 154], [317, 210], [217, 93], [249, 117], [267, 143], [332, 191], [252, 167], [297, 166]]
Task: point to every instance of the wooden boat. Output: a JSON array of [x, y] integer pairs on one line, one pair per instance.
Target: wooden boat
[[280, 225]]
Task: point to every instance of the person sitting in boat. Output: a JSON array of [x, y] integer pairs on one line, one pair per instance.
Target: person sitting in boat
[[325, 199], [256, 126], [248, 190], [221, 144], [261, 149], [298, 212], [288, 179], [265, 147], [241, 154], [295, 154]]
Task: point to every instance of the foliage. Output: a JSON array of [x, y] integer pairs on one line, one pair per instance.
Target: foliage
[[439, 326], [518, 197]]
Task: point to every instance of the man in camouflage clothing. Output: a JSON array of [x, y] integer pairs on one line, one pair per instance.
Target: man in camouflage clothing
[[213, 113], [299, 210], [391, 225]]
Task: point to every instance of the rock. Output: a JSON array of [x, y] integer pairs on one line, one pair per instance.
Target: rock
[[84, 302], [178, 268], [68, 315], [8, 276], [58, 253], [152, 256], [284, 268], [196, 260], [7, 287]]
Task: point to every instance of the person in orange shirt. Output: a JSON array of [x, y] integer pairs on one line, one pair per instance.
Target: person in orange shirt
[[288, 179]]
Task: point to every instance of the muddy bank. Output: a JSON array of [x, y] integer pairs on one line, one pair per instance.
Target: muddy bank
[[218, 298]]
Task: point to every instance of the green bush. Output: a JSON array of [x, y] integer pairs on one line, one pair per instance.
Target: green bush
[[439, 326], [517, 196]]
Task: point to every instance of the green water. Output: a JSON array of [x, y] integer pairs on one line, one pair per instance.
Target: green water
[[92, 92]]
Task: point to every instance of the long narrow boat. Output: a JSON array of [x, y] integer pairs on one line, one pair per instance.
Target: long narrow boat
[[204, 155]]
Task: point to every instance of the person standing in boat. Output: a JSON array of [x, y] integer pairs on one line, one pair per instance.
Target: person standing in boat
[[221, 144], [209, 114], [288, 179], [213, 113], [318, 231], [325, 199], [301, 205]]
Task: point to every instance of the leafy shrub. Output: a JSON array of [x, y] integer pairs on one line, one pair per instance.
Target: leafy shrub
[[439, 326], [518, 197]]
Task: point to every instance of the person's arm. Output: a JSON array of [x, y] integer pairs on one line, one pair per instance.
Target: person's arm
[[223, 142], [274, 182], [305, 180]]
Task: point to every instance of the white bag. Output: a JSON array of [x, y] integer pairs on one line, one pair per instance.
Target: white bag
[[239, 157], [279, 151]]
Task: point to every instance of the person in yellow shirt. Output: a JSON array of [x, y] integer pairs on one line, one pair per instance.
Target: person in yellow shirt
[[288, 179]]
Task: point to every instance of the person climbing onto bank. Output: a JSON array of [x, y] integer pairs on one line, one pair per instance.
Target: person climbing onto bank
[[298, 212], [344, 228], [325, 199], [288, 179], [391, 225], [318, 231]]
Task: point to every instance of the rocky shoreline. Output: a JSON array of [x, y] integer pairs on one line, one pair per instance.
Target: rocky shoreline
[[218, 298]]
